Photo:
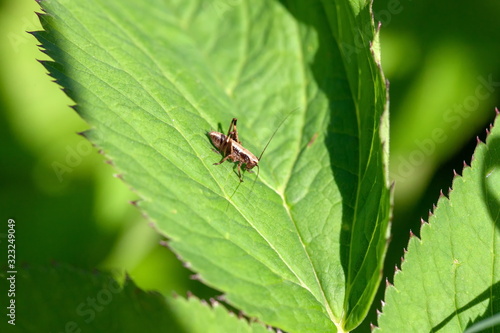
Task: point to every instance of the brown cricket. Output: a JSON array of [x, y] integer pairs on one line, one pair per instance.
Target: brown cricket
[[231, 148]]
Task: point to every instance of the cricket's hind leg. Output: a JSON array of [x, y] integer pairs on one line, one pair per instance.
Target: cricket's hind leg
[[223, 160], [233, 131]]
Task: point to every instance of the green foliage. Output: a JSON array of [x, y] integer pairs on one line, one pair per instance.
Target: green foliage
[[484, 324], [196, 316], [97, 302], [94, 302], [302, 246], [450, 278]]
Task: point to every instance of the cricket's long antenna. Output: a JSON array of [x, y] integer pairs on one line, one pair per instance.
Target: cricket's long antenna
[[256, 177], [229, 200], [237, 187], [275, 131], [268, 142]]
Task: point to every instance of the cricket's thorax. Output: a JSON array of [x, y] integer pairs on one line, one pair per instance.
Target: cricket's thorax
[[245, 155]]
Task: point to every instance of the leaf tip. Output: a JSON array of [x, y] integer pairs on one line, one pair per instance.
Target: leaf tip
[[411, 234], [241, 315], [213, 302], [128, 278], [221, 298], [195, 277], [134, 203], [39, 14], [178, 256], [86, 134], [44, 62], [65, 90]]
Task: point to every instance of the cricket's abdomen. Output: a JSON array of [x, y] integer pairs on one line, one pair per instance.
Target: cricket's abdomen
[[218, 139]]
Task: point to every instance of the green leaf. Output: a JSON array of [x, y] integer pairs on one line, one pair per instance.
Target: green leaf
[[484, 324], [301, 247], [450, 278], [196, 316], [68, 300], [64, 299]]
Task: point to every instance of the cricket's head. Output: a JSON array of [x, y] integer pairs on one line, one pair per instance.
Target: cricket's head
[[250, 162], [216, 138]]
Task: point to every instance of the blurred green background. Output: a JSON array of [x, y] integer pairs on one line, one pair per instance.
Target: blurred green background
[[442, 61]]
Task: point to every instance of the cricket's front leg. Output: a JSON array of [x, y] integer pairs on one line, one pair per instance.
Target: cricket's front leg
[[239, 172], [223, 160]]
